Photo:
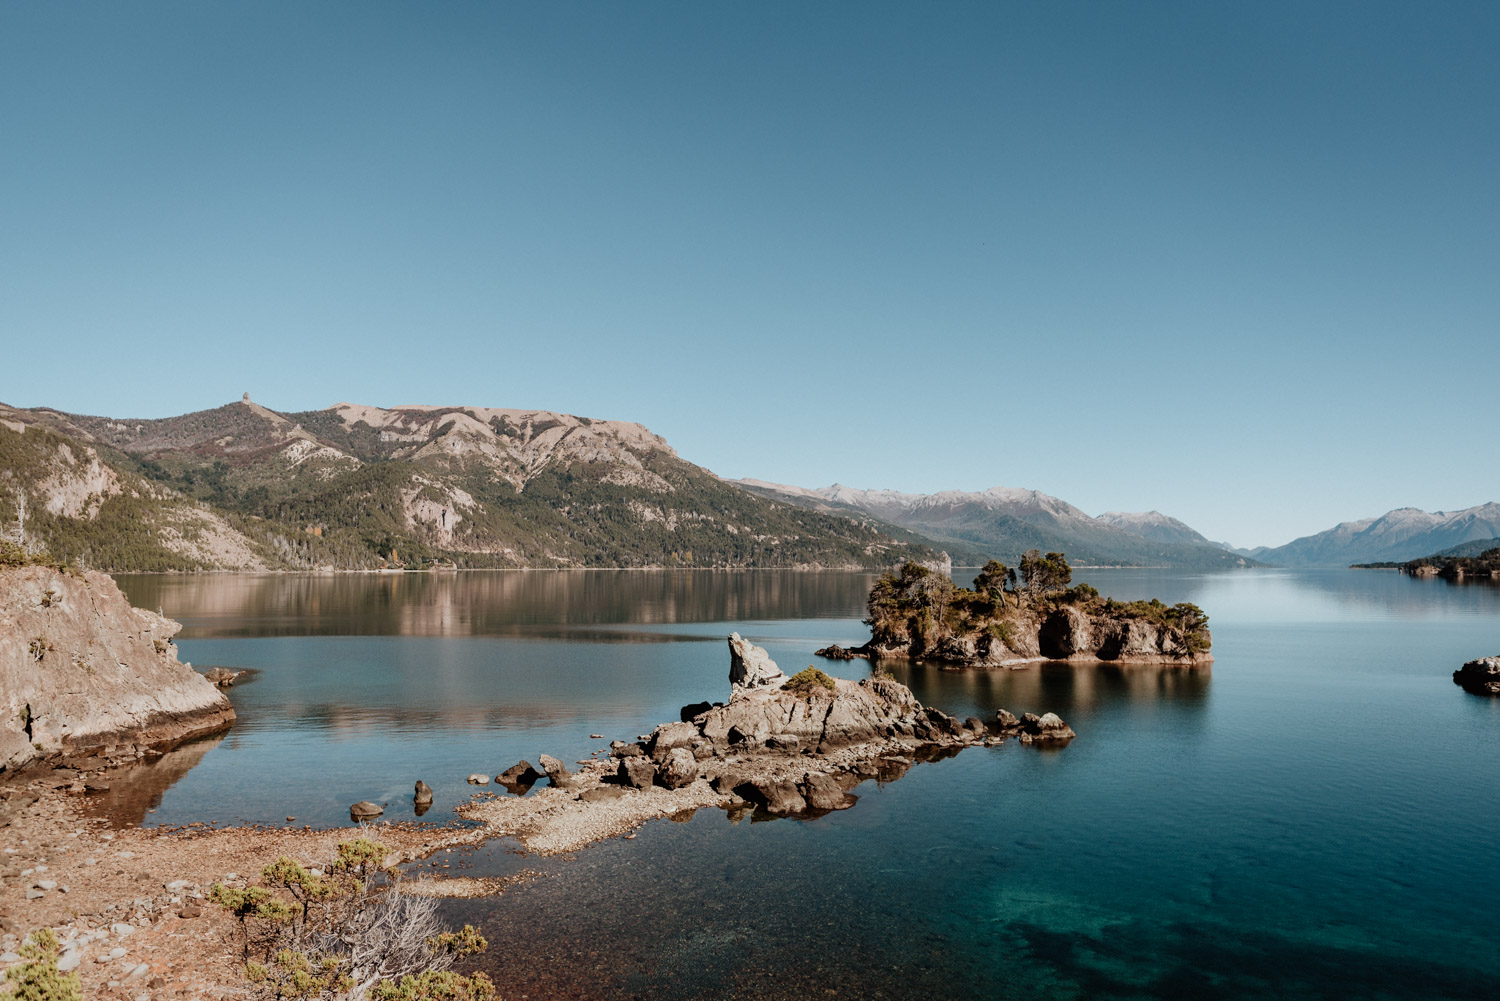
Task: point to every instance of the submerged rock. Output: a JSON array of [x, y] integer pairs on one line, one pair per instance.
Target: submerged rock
[[1479, 677]]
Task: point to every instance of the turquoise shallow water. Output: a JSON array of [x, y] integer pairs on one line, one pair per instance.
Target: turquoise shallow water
[[1314, 817]]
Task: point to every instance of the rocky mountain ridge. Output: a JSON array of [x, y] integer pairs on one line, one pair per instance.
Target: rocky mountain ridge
[[359, 487]]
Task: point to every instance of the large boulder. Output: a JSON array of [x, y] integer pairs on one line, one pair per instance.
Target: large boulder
[[823, 792], [679, 769], [751, 667], [669, 736], [1480, 677], [518, 775], [636, 772], [557, 773], [777, 795], [1044, 729]]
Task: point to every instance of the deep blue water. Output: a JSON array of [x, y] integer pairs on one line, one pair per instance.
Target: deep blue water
[[1314, 817]]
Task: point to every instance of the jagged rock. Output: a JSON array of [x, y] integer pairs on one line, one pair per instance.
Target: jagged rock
[[823, 792], [423, 793], [1006, 722], [519, 774], [835, 652], [557, 772], [679, 769], [365, 810], [638, 772], [83, 672], [1480, 677], [750, 666], [220, 676], [695, 709]]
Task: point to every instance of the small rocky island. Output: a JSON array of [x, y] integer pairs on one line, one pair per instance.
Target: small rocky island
[[1479, 677], [1014, 617]]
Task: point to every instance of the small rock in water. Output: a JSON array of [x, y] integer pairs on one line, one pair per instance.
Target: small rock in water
[[364, 810], [596, 736], [290, 819], [423, 793], [479, 780]]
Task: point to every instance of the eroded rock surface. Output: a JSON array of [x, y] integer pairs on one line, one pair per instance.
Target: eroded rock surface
[[750, 666], [88, 681]]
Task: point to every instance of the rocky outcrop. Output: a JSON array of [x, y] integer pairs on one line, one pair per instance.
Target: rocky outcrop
[[1479, 677], [88, 681], [773, 750], [750, 666], [922, 616]]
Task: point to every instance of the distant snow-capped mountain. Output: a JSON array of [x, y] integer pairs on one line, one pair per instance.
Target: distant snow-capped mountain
[[1406, 533], [1003, 522]]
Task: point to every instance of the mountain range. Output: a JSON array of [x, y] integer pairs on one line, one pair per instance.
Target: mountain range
[[359, 487], [244, 487], [1396, 536], [1004, 522]]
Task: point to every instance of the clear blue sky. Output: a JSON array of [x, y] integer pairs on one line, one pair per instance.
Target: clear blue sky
[[1236, 262]]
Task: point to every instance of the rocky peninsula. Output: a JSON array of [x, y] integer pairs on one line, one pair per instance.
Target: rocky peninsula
[[86, 680], [781, 746], [1007, 620]]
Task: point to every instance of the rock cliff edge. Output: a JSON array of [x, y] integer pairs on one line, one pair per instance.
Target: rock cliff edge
[[87, 680]]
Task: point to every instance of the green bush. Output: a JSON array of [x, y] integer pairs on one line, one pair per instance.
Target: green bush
[[810, 682], [38, 978]]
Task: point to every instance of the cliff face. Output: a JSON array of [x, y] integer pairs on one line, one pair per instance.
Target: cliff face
[[88, 680]]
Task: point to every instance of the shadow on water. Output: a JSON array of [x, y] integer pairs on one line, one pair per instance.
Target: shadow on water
[[135, 789]]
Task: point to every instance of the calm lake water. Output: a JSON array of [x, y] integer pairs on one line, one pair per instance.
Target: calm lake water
[[1314, 817]]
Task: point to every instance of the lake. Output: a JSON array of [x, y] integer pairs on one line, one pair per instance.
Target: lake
[[1313, 817]]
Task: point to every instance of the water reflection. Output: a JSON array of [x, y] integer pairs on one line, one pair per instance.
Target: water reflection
[[135, 789], [1064, 688], [494, 603]]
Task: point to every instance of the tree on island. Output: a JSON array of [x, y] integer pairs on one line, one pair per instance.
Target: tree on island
[[1045, 574], [995, 581]]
